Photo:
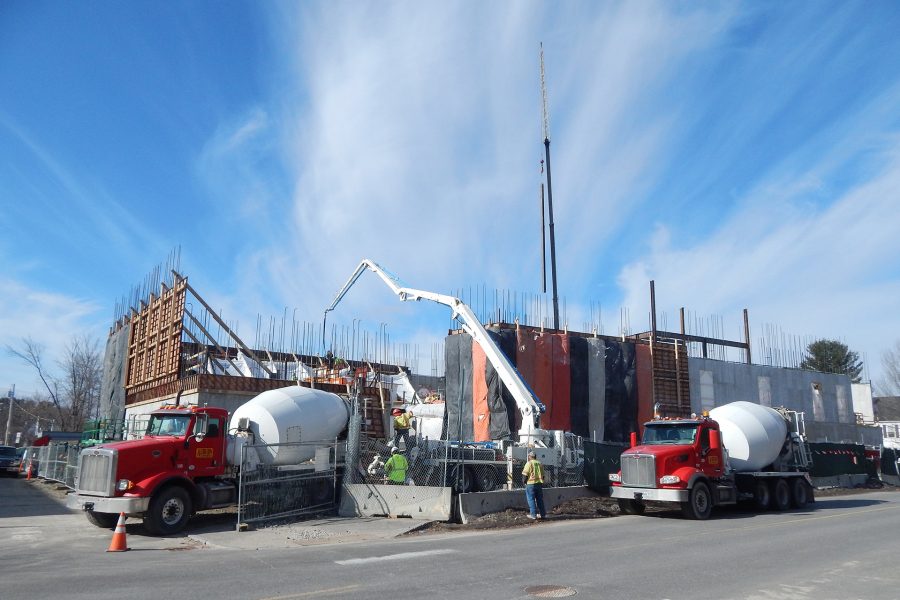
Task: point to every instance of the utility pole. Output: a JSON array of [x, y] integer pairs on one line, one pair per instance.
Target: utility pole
[[12, 396], [549, 192]]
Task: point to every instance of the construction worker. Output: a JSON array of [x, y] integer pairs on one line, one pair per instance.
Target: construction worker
[[534, 486], [395, 468], [402, 423]]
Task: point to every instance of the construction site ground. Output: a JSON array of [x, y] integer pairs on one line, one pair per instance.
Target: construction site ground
[[217, 529]]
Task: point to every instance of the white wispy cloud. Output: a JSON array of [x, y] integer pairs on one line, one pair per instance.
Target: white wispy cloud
[[418, 140], [824, 271], [51, 319]]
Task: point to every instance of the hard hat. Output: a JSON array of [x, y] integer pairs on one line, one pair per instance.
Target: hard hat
[[532, 454], [394, 450], [396, 411]]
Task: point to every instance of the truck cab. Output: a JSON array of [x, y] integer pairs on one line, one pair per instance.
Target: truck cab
[[677, 460], [162, 477]]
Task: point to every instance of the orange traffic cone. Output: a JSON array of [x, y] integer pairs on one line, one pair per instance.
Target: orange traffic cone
[[28, 477], [118, 543]]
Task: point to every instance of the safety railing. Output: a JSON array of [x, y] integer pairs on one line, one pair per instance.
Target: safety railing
[[54, 462], [280, 481]]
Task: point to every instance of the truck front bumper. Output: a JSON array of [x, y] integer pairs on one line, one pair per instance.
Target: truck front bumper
[[654, 494], [128, 505]]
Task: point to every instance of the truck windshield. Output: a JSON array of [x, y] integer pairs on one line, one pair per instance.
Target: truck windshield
[[670, 433], [174, 425]]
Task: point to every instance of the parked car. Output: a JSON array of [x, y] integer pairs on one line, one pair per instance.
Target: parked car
[[9, 461]]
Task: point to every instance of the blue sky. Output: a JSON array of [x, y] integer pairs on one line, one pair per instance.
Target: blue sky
[[742, 155]]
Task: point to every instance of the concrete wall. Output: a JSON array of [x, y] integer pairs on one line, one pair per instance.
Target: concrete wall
[[112, 383], [227, 400], [416, 502], [862, 401], [825, 398]]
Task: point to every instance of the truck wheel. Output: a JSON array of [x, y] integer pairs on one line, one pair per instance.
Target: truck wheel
[[800, 492], [631, 507], [485, 479], [169, 511], [102, 520], [699, 504], [460, 479], [781, 495], [319, 491], [762, 497]]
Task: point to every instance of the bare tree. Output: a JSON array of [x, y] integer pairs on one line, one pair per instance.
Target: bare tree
[[75, 394], [889, 384], [81, 365], [32, 353]]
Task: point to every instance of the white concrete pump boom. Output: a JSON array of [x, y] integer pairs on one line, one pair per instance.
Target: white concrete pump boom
[[530, 407]]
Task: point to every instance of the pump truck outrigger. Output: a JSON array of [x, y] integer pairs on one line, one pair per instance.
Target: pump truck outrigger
[[741, 451]]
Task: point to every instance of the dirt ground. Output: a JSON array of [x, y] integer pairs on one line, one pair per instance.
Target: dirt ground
[[586, 508]]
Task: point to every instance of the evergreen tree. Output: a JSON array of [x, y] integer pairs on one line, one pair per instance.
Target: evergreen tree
[[832, 356]]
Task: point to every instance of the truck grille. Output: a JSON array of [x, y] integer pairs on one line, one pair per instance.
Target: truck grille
[[97, 472], [638, 470]]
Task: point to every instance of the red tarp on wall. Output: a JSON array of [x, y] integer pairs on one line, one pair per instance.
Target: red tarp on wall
[[543, 361], [480, 412], [644, 376]]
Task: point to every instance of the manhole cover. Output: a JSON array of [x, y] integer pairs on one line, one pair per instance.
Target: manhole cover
[[550, 591]]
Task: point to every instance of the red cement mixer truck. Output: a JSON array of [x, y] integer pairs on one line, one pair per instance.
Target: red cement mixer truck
[[189, 457], [740, 451]]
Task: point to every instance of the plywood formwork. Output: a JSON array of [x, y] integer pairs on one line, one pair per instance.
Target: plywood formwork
[[671, 378], [154, 344]]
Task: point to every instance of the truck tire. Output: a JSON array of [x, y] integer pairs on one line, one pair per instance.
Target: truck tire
[[762, 495], [699, 504], [631, 507], [485, 478], [169, 511], [781, 495], [102, 520], [460, 479], [800, 492]]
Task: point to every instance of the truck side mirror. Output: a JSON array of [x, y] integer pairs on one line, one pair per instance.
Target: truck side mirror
[[715, 442], [201, 425]]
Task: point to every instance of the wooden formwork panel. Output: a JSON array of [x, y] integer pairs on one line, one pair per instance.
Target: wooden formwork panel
[[154, 343], [671, 380]]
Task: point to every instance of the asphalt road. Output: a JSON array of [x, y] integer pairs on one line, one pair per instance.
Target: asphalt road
[[842, 547]]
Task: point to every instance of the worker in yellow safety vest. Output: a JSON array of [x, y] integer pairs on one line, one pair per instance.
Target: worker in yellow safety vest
[[402, 423], [534, 486], [395, 468]]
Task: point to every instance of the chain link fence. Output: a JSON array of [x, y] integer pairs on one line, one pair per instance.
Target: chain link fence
[[55, 462], [475, 467], [270, 492]]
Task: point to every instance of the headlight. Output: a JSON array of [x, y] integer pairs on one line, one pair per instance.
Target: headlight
[[669, 479], [123, 485], [615, 477]]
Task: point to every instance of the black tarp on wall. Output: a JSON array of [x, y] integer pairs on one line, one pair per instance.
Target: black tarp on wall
[[500, 402], [458, 365], [506, 339], [621, 399], [605, 391], [579, 393]]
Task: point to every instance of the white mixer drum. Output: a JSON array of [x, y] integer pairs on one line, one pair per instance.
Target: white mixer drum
[[753, 434], [293, 414]]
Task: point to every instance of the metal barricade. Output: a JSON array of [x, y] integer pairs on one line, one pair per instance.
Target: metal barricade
[[308, 485]]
